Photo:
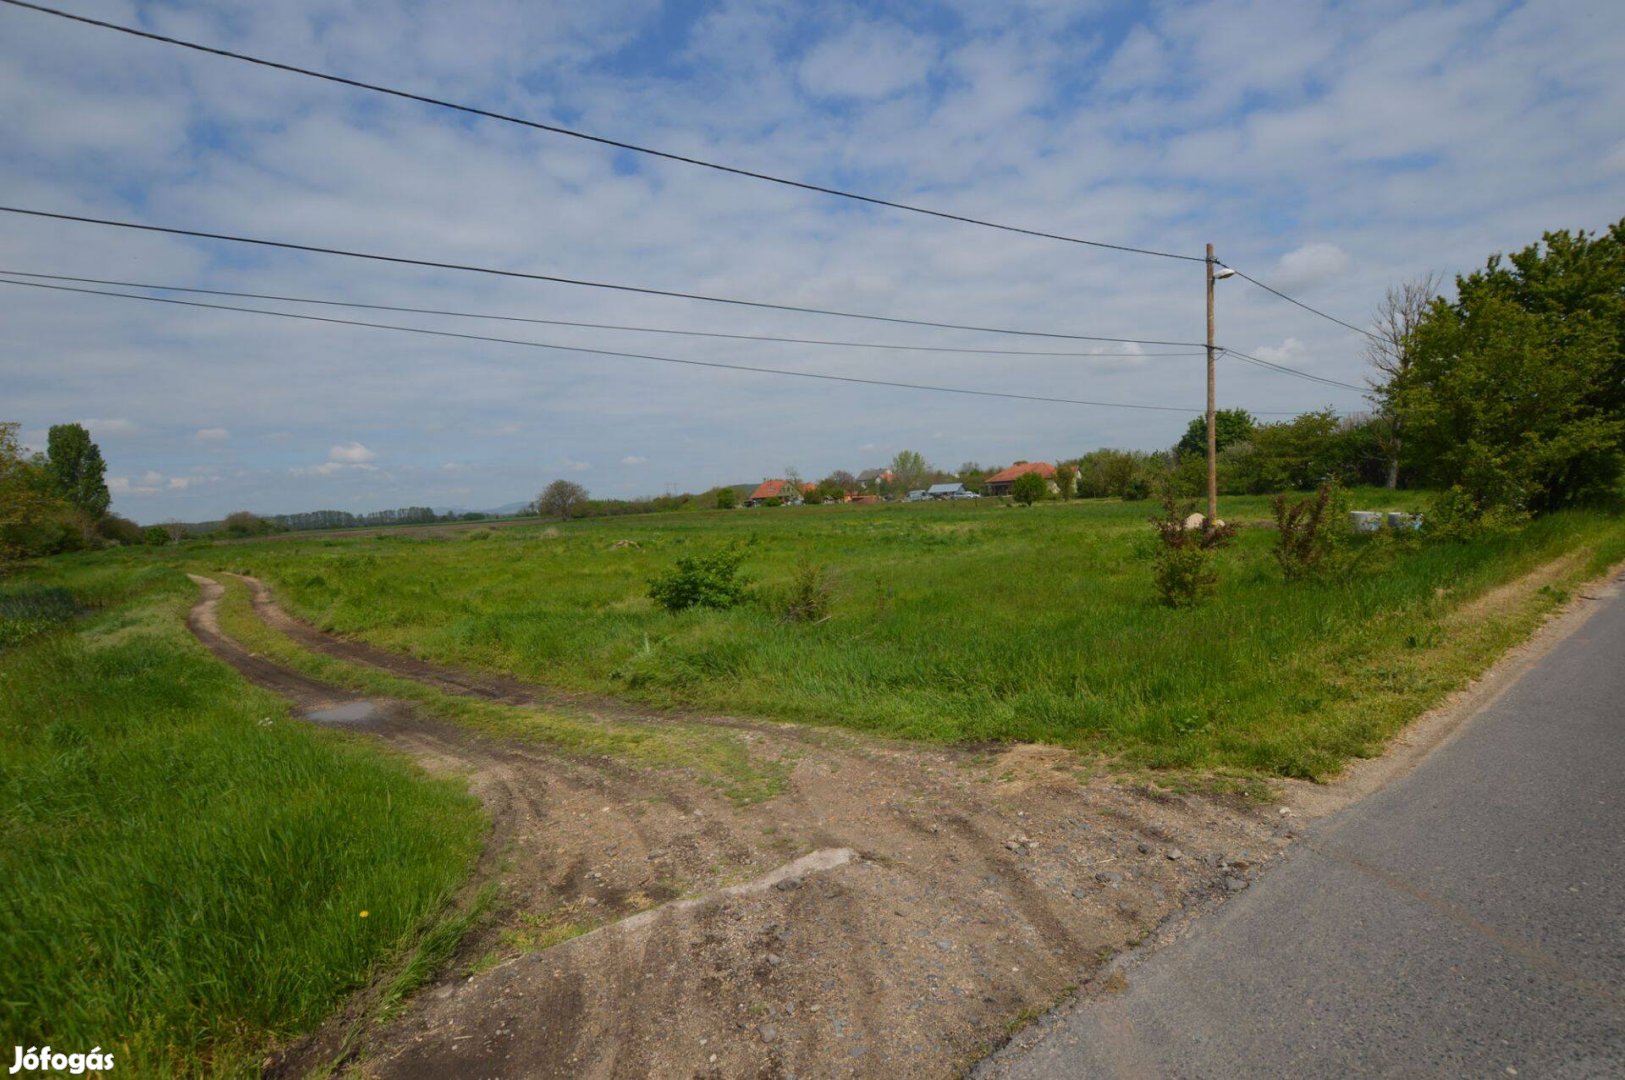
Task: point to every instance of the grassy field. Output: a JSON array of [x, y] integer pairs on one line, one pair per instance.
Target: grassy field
[[186, 873], [958, 622]]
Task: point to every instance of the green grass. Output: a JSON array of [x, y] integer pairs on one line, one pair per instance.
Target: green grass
[[716, 757], [182, 867], [956, 623]]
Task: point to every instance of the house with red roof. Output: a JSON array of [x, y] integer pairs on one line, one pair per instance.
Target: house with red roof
[[781, 490], [1000, 482]]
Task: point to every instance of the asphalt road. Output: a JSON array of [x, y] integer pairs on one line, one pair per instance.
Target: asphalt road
[[1468, 920]]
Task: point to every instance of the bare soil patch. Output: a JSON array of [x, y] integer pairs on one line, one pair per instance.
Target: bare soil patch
[[647, 926]]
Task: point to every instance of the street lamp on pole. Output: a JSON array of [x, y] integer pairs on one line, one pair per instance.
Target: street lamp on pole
[[1215, 272]]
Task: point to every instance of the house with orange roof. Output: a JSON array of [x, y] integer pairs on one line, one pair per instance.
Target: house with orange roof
[[1000, 482], [781, 490]]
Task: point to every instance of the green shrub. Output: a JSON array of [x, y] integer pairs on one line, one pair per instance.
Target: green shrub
[[709, 580], [1137, 489], [1182, 562], [727, 498], [1029, 488], [1309, 532], [810, 594], [1457, 515]]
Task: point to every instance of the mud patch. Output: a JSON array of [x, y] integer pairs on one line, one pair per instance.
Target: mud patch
[[351, 712]]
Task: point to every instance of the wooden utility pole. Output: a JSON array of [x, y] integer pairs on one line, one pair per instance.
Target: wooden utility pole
[[1212, 426]]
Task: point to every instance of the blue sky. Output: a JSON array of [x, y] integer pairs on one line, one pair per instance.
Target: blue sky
[[1330, 149]]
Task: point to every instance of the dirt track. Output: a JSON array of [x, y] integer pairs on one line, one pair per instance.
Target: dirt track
[[982, 887]]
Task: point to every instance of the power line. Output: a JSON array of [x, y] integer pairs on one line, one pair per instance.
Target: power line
[[587, 137], [573, 323], [600, 352], [1294, 371], [522, 275], [1266, 288]]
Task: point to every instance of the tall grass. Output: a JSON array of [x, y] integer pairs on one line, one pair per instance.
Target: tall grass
[[958, 623], [184, 868]]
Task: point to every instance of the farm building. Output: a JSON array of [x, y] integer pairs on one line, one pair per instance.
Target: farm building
[[999, 483], [945, 491], [782, 490]]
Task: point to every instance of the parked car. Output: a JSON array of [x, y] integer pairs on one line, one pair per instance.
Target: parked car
[[916, 496], [964, 495]]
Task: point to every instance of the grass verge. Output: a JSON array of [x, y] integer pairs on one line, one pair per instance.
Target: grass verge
[[187, 876]]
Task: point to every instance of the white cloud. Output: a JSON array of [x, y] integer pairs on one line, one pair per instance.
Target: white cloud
[[212, 434], [868, 60], [633, 459], [1312, 263], [350, 453], [1288, 352]]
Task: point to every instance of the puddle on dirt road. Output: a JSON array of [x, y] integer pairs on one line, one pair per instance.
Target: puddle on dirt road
[[351, 712]]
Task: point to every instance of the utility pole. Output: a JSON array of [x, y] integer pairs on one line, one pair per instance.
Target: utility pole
[[1212, 426]]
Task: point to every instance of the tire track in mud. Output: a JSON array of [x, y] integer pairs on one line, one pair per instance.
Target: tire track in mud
[[975, 901]]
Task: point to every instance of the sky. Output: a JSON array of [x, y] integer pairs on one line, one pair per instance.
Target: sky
[[1328, 149]]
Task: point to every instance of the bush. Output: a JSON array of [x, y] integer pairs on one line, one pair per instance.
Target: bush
[[1182, 564], [1029, 488], [1137, 489], [155, 536], [727, 498], [1309, 531], [1458, 515], [810, 595], [121, 529], [709, 580]]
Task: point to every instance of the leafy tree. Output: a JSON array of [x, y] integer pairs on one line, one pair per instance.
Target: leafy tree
[[1029, 488], [1232, 425], [155, 536], [562, 499], [1106, 473], [1065, 477], [27, 502], [909, 471], [1515, 392], [842, 479], [831, 490], [243, 523], [727, 498], [120, 529], [77, 469]]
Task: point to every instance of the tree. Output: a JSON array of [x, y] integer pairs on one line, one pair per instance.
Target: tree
[[245, 523], [27, 502], [727, 498], [1232, 425], [1515, 393], [909, 471], [1065, 474], [1390, 351], [831, 490], [842, 479], [77, 469], [562, 499], [1029, 488]]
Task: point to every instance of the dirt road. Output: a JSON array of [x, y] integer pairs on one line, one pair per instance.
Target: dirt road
[[897, 910]]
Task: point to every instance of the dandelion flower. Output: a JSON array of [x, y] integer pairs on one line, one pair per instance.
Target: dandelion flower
[[363, 914]]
